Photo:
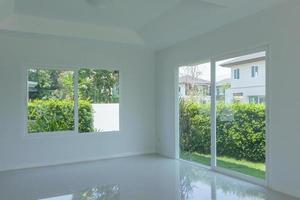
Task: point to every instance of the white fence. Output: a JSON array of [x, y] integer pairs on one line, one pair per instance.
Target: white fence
[[106, 117]]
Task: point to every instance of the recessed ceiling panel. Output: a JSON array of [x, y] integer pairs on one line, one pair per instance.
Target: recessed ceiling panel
[[122, 13], [154, 23]]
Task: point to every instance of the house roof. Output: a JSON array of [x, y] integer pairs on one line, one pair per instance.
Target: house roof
[[192, 80], [223, 81], [245, 59]]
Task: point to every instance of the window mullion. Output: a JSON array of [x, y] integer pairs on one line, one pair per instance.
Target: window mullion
[[76, 104], [213, 115]]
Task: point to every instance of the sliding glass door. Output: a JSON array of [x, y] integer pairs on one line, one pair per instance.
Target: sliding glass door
[[238, 125], [240, 114]]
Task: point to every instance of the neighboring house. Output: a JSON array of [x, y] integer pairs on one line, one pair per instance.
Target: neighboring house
[[31, 87], [247, 79], [196, 88], [221, 87]]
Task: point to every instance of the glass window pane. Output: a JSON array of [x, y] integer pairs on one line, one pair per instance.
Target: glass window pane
[[98, 100], [241, 122], [194, 109], [50, 100]]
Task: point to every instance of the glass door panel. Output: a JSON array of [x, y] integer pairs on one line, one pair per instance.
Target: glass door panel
[[240, 114], [194, 113]]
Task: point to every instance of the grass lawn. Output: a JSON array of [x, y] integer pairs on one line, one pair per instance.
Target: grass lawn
[[246, 167]]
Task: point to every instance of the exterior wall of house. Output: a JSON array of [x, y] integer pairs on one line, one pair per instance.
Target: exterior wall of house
[[245, 79], [247, 92], [246, 84], [203, 96], [182, 90]]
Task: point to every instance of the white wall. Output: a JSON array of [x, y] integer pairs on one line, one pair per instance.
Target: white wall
[[278, 27], [137, 109]]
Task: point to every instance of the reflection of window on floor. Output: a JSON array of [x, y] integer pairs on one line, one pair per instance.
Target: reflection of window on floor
[[256, 99]]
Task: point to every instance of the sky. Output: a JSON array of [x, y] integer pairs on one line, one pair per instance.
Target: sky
[[204, 70]]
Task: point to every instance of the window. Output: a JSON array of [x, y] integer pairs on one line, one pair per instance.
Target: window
[[50, 100], [237, 97], [233, 125], [254, 71], [256, 99], [240, 123], [54, 105], [100, 89], [236, 73]]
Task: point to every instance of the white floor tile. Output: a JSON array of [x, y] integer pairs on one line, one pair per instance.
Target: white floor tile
[[132, 178]]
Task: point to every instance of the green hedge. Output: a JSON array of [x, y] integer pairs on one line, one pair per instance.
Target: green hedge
[[240, 135], [58, 115]]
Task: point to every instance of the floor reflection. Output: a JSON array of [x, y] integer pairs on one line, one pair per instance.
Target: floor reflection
[[196, 182], [109, 192], [133, 178]]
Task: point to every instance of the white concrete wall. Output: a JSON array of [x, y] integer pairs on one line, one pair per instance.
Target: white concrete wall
[[279, 28], [106, 117], [137, 102]]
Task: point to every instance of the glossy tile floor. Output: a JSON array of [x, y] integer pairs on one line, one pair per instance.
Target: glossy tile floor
[[133, 178]]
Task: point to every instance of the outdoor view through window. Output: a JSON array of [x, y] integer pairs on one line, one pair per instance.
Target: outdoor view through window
[[240, 114], [100, 90], [194, 119], [53, 100]]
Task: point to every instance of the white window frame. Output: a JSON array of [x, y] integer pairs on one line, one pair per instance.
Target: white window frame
[[262, 182], [75, 69], [254, 71]]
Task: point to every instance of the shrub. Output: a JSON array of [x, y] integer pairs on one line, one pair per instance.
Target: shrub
[[58, 115], [242, 137], [85, 113]]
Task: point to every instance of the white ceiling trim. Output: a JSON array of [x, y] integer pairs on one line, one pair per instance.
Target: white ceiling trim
[[29, 24], [6, 8]]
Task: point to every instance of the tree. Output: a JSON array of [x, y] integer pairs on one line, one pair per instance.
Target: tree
[[95, 85], [51, 84], [98, 86], [195, 91]]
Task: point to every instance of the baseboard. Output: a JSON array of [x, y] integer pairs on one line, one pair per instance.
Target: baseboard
[[115, 156]]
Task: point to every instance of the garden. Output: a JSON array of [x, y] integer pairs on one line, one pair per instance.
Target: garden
[[240, 135], [51, 99]]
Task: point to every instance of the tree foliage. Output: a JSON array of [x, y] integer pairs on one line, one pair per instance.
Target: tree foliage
[[98, 86], [240, 129], [58, 115], [51, 84], [95, 85]]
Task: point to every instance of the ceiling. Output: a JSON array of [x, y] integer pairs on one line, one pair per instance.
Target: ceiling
[[153, 23]]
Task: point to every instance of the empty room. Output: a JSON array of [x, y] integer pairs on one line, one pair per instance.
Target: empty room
[[149, 100]]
